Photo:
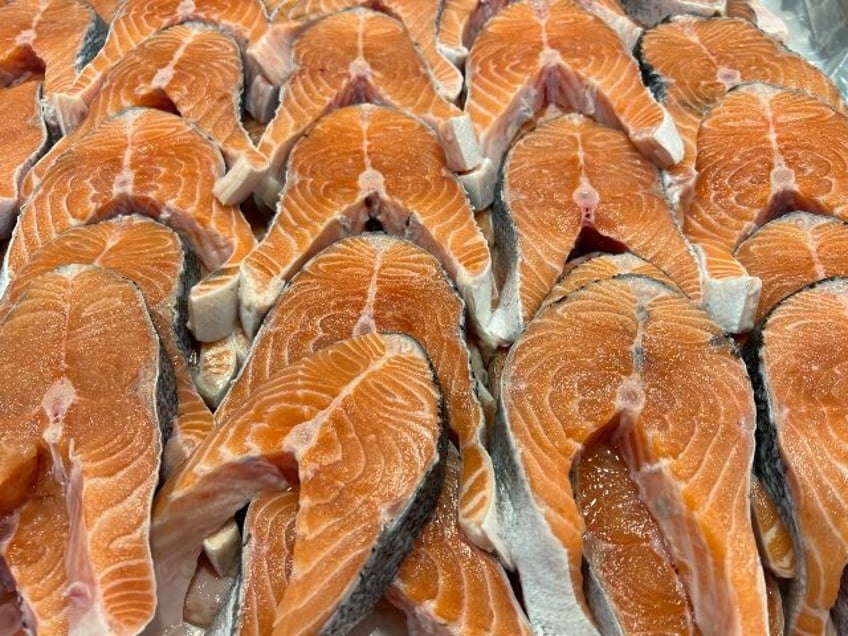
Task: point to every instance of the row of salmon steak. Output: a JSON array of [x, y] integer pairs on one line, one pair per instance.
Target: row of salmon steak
[[420, 316]]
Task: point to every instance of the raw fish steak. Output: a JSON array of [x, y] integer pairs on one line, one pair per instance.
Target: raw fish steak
[[797, 361], [84, 390], [156, 164], [359, 164], [569, 177], [793, 251], [359, 426], [630, 358], [162, 72], [357, 69], [23, 138], [150, 255], [779, 164], [541, 52]]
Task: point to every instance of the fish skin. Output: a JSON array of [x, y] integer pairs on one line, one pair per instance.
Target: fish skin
[[152, 256], [652, 12], [567, 175], [135, 20], [81, 473], [129, 150], [535, 53], [355, 70], [35, 38], [161, 72], [339, 177], [793, 251], [792, 462], [24, 138], [387, 280], [775, 157], [621, 384], [250, 455], [420, 19]]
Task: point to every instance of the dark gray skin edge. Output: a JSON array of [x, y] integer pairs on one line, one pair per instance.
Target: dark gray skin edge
[[92, 42]]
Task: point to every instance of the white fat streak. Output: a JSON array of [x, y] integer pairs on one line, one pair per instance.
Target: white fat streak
[[27, 37], [186, 9], [782, 176], [165, 74], [124, 181], [813, 246], [366, 322]]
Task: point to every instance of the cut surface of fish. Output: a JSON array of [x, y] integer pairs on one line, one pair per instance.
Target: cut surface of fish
[[369, 470], [793, 251], [82, 392], [632, 585], [361, 163], [693, 62], [136, 20], [151, 256], [553, 52], [760, 16], [447, 585], [419, 18], [163, 72], [571, 176], [797, 362], [378, 283], [579, 272], [660, 376], [773, 536], [356, 69], [105, 9], [777, 166], [23, 137], [218, 363], [53, 38], [153, 163]]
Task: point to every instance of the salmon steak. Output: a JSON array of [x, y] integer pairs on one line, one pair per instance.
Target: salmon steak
[[369, 471], [366, 164], [53, 39], [794, 251], [773, 535], [420, 19], [151, 256], [625, 599], [662, 380], [135, 20], [355, 70], [162, 72], [778, 166], [796, 359], [573, 176], [541, 52], [711, 57], [23, 137], [84, 393], [376, 283], [581, 271], [156, 164]]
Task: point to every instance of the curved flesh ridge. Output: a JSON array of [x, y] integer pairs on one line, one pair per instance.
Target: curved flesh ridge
[[568, 175], [773, 536], [779, 165], [695, 62], [53, 38], [760, 16], [369, 470], [360, 163], [151, 256], [163, 72], [447, 584], [533, 54], [152, 163], [793, 251], [374, 283], [136, 20], [23, 137], [579, 272], [80, 439], [799, 363], [419, 18], [662, 378], [633, 587], [462, 20], [356, 69]]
